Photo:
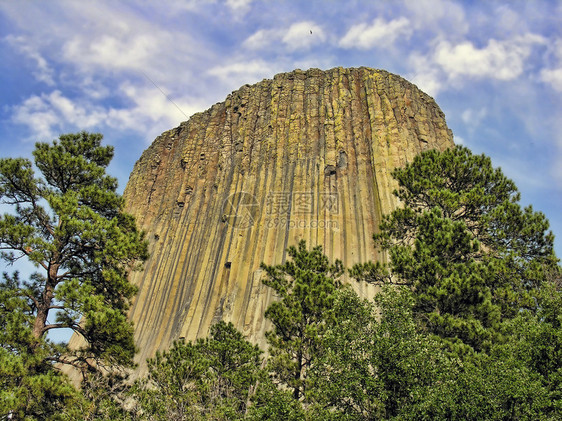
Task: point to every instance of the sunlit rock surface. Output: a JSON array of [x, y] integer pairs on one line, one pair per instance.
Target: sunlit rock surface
[[307, 155]]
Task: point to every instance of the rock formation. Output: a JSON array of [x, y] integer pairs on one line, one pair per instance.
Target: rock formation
[[306, 155]]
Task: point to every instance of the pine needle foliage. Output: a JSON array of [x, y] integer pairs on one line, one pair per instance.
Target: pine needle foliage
[[305, 286], [69, 223], [471, 253]]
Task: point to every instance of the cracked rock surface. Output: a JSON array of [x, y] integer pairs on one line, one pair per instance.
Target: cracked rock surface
[[306, 155]]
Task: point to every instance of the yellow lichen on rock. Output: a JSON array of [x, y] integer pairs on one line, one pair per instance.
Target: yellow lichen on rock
[[307, 155]]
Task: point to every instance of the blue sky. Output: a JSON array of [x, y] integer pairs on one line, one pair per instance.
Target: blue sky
[[132, 70]]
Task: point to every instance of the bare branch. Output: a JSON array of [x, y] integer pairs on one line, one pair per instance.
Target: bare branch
[[55, 326]]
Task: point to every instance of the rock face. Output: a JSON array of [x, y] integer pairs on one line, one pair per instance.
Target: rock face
[[306, 155]]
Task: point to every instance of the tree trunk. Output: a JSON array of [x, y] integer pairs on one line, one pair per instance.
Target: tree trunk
[[45, 301], [298, 372]]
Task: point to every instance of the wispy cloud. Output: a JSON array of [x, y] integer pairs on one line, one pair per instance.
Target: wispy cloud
[[553, 77], [303, 35], [261, 39], [36, 113], [241, 72], [47, 115], [503, 60], [43, 71], [452, 65], [441, 18], [474, 117], [100, 60], [380, 33], [425, 74], [239, 7], [44, 114], [552, 73], [299, 36], [113, 52]]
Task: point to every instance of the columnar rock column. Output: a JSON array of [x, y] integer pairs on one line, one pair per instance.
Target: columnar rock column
[[306, 155]]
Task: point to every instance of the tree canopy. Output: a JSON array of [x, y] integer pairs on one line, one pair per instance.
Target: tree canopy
[[305, 286], [471, 253], [70, 224], [212, 378], [467, 324]]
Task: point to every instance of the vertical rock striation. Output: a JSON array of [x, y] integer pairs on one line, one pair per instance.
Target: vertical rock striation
[[306, 155]]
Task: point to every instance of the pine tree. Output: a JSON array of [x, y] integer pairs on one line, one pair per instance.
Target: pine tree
[[473, 256], [212, 378], [376, 364], [69, 223], [305, 286]]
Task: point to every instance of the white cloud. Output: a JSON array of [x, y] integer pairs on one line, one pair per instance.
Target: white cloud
[[151, 106], [103, 38], [240, 73], [47, 114], [299, 36], [426, 75], [428, 83], [507, 20], [451, 64], [94, 88], [261, 39], [36, 113], [100, 47], [239, 6], [552, 77], [473, 118], [503, 60], [115, 52], [73, 113], [440, 16], [379, 34], [42, 72], [553, 73], [149, 113], [303, 35]]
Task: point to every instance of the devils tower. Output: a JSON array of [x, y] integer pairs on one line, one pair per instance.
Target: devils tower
[[306, 155]]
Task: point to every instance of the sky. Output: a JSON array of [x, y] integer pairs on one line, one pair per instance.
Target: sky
[[134, 69]]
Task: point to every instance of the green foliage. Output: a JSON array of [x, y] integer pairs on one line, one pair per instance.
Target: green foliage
[[471, 327], [376, 364], [468, 324], [105, 396], [373, 360], [214, 378], [69, 223], [472, 255], [273, 403], [343, 382], [483, 278], [31, 389], [25, 374], [491, 387], [305, 286], [366, 360], [535, 341]]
